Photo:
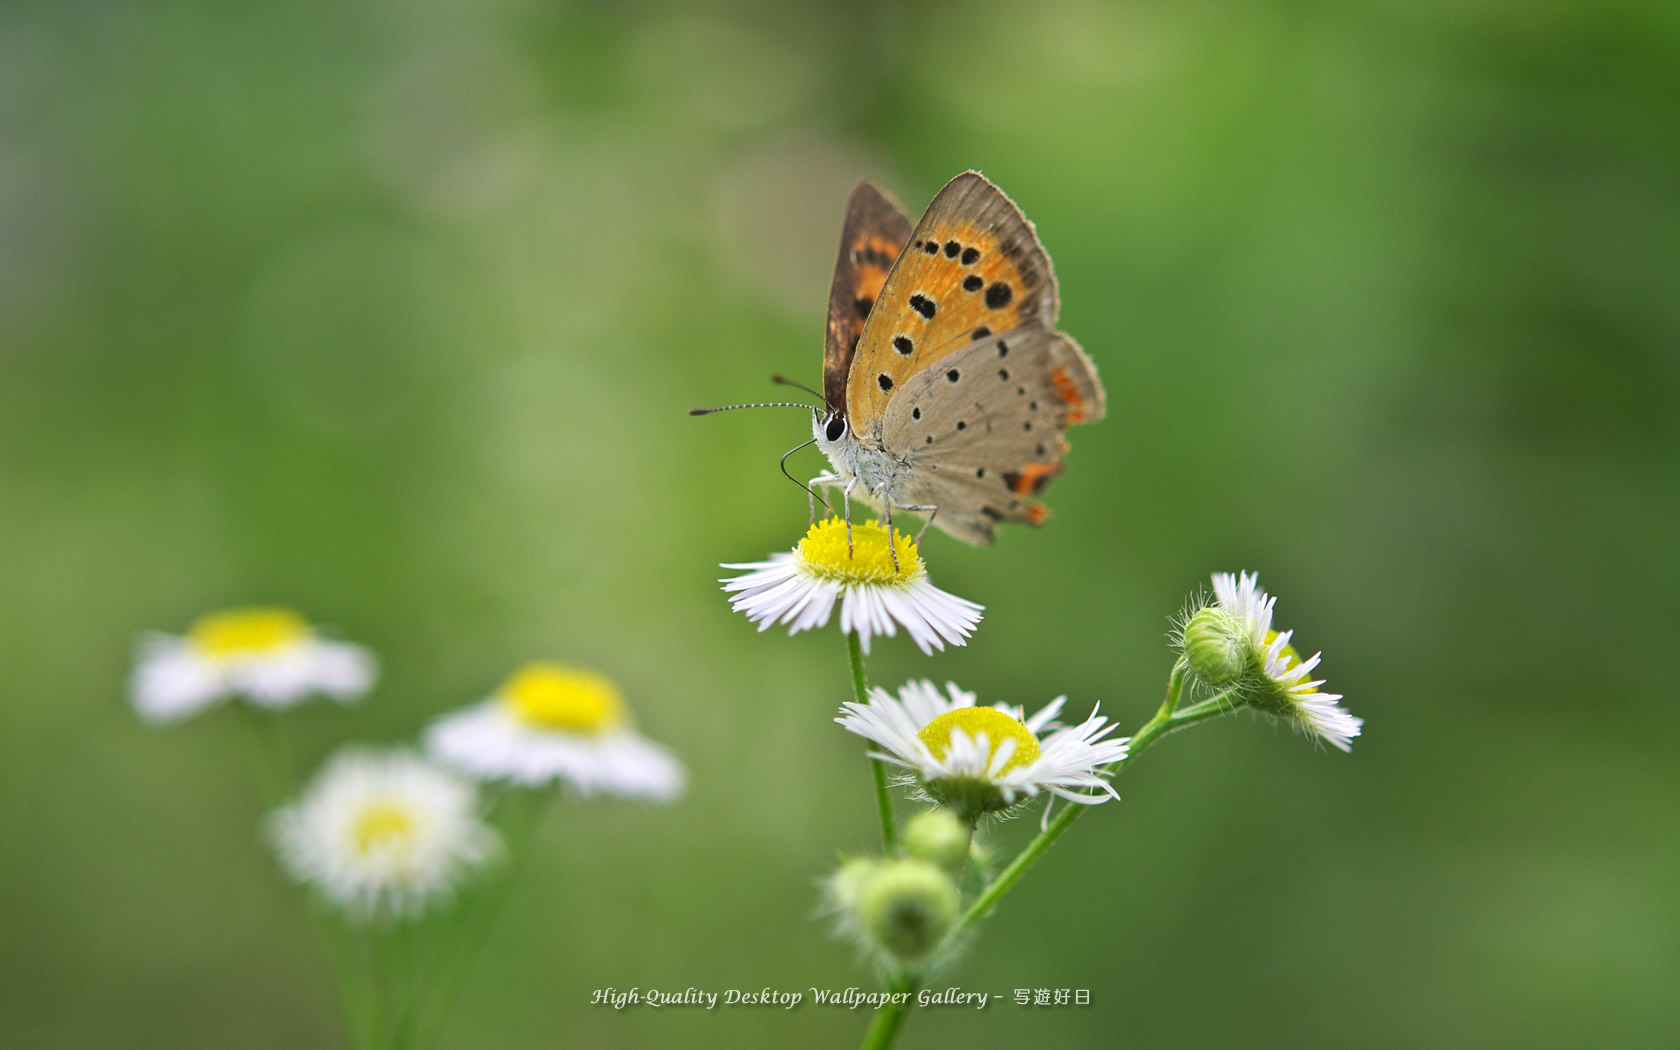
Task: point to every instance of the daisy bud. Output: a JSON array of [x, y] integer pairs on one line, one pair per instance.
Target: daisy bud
[[937, 835], [845, 886], [1215, 646], [1275, 679], [906, 907]]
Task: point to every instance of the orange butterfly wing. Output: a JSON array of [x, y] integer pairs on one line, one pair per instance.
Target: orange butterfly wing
[[972, 267], [871, 240]]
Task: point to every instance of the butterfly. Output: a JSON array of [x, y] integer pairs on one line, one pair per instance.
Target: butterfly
[[946, 387]]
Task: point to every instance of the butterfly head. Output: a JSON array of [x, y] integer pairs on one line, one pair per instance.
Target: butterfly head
[[832, 433], [829, 426]]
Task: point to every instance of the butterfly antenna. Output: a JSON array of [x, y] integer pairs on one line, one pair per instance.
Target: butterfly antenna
[[758, 404], [781, 380], [796, 481]]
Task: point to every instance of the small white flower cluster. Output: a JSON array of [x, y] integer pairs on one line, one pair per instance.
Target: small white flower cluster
[[973, 761], [385, 834]]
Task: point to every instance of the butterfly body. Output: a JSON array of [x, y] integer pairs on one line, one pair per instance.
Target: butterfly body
[[947, 388]]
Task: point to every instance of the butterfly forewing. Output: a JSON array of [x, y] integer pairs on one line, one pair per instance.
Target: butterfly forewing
[[874, 235], [972, 267], [983, 427]]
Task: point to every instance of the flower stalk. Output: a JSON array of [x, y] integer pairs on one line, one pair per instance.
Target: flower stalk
[[883, 793]]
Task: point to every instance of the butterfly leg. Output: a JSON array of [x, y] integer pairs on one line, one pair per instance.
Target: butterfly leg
[[933, 512], [825, 479], [846, 503], [886, 502]]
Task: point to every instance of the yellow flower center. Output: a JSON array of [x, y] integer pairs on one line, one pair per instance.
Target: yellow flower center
[[552, 696], [381, 824], [997, 726], [824, 552], [243, 632]]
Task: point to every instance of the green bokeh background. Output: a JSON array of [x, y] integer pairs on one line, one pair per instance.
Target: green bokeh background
[[391, 311]]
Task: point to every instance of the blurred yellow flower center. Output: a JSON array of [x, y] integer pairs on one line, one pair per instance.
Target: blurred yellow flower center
[[381, 824], [973, 721], [824, 552], [239, 632], [551, 696]]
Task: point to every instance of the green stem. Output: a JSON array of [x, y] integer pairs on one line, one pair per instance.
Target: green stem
[[883, 794], [349, 977], [422, 1019], [883, 1029], [271, 758], [276, 776], [1165, 722], [374, 955]]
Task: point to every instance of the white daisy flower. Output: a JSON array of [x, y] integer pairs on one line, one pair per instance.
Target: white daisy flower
[[269, 657], [383, 835], [555, 723], [978, 760], [1286, 687], [877, 595]]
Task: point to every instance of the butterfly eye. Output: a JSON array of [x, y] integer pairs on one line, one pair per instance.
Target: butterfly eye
[[836, 428]]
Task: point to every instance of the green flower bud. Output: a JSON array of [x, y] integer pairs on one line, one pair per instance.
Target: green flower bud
[[937, 835], [906, 908], [845, 886], [1216, 646]]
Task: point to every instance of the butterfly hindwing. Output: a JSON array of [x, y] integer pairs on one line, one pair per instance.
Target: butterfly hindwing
[[871, 240], [982, 428], [973, 266]]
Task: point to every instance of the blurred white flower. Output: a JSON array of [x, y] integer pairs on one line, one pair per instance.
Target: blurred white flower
[[383, 835], [269, 657], [555, 723]]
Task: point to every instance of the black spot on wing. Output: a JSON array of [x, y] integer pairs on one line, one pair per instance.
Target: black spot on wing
[[999, 295], [903, 345], [931, 248], [1036, 484], [864, 304], [953, 375], [951, 249], [970, 256], [923, 305], [973, 283], [885, 381]]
